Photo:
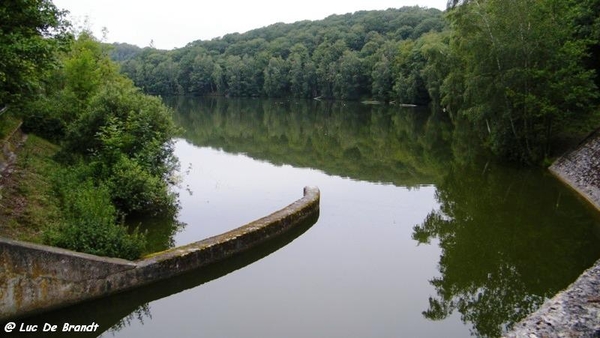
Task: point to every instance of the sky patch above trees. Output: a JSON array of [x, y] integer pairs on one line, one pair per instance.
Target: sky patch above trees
[[175, 23]]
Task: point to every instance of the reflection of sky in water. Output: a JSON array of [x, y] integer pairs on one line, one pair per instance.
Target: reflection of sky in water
[[356, 273]]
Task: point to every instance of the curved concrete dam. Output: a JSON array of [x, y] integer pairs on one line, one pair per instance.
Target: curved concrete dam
[[37, 278]]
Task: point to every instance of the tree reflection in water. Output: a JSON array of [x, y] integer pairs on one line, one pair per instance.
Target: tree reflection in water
[[510, 237]]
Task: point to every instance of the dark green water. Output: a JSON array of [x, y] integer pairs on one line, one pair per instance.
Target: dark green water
[[420, 235]]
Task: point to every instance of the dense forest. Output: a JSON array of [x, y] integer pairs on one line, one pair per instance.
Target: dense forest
[[348, 57], [524, 72]]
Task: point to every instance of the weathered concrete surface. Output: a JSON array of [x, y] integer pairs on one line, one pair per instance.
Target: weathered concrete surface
[[9, 144], [185, 258], [36, 278], [580, 169], [574, 312]]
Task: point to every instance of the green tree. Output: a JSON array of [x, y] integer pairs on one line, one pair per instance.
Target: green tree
[[218, 77], [234, 75], [86, 67], [326, 58], [314, 53], [521, 73], [381, 78], [297, 74], [102, 120], [32, 33], [349, 81], [201, 80], [435, 49], [409, 86], [276, 78]]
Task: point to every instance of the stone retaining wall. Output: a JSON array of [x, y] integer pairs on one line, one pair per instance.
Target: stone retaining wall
[[580, 169], [574, 312], [9, 144], [36, 278]]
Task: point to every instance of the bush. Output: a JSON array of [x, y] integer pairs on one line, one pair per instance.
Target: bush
[[126, 136], [136, 190], [121, 139], [90, 221], [43, 117]]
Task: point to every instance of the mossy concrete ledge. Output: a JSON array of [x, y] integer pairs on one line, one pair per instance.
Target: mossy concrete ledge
[[37, 278]]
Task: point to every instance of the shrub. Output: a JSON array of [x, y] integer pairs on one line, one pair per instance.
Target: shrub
[[90, 222], [138, 191]]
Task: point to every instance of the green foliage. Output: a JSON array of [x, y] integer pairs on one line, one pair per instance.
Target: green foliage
[[382, 79], [32, 33], [68, 90], [518, 74], [276, 80], [333, 58], [522, 71], [134, 189], [121, 120], [100, 118], [123, 51], [90, 221], [85, 68], [117, 143], [44, 117], [7, 125]]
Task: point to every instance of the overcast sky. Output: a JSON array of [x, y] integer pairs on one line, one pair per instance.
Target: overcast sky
[[174, 23]]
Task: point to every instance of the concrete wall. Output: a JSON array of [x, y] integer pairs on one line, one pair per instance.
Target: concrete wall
[[36, 278], [8, 146], [574, 312], [580, 169]]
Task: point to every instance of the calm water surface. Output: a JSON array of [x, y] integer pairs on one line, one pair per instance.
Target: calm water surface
[[419, 234]]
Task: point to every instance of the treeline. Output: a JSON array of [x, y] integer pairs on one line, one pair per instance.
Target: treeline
[[350, 57], [523, 72], [115, 156]]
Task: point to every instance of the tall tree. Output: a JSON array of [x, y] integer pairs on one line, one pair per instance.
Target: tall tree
[[350, 79], [381, 77], [276, 78], [522, 73], [31, 32]]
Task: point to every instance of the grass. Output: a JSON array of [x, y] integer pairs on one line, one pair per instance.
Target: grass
[[7, 125], [26, 204]]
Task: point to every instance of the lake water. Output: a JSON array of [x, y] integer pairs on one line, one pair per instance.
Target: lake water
[[419, 234]]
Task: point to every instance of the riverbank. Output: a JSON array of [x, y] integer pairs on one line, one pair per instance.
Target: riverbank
[[26, 205], [574, 312]]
